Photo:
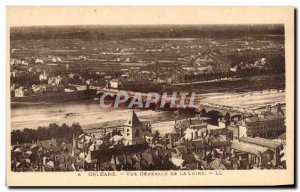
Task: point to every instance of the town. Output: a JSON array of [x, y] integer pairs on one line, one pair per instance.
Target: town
[[62, 70], [235, 74], [255, 142]]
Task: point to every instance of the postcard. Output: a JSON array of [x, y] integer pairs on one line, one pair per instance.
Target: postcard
[[150, 96]]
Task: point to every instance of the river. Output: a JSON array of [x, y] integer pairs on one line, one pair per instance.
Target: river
[[89, 114]]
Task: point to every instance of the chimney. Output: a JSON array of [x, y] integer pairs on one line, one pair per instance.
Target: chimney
[[172, 140], [204, 154], [268, 108], [181, 131], [198, 165], [125, 159], [206, 133], [238, 128]]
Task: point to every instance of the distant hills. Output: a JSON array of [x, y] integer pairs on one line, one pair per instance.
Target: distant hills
[[147, 31]]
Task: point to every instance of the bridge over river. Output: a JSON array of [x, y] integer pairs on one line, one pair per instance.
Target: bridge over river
[[210, 108], [212, 102]]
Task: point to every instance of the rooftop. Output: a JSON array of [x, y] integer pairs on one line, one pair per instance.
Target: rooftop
[[249, 148], [282, 136], [133, 121], [261, 141]]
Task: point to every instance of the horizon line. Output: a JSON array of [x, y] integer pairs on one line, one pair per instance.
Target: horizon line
[[145, 25]]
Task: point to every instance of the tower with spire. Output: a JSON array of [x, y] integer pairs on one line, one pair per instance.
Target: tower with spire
[[133, 130]]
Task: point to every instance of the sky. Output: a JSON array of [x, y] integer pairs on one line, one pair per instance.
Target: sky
[[53, 16]]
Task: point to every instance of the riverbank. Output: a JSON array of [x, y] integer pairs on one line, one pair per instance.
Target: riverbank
[[255, 83], [89, 114]]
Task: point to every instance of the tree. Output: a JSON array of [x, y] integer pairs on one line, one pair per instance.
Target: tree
[[43, 133]]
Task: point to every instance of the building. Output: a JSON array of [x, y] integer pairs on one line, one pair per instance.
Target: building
[[252, 155], [39, 88], [195, 131], [134, 130], [282, 138], [55, 81], [40, 61], [196, 123], [200, 137], [276, 147], [15, 62], [114, 83], [21, 92], [264, 125], [43, 77]]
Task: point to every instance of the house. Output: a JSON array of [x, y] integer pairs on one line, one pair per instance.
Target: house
[[276, 147], [39, 61], [219, 142], [177, 155], [43, 76], [233, 69], [193, 123], [21, 92], [48, 144], [54, 81], [39, 88], [49, 166], [253, 155], [23, 62], [114, 83], [184, 159], [282, 138], [216, 164], [237, 131], [15, 62], [195, 131]]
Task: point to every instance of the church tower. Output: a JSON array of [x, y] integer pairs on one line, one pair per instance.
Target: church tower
[[134, 130]]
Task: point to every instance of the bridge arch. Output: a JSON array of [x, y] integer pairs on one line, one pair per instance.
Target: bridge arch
[[236, 117], [214, 116]]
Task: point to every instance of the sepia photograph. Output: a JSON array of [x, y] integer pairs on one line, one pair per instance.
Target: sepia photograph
[[161, 97]]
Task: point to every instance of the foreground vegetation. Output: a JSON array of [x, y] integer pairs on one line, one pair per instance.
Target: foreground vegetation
[[43, 133]]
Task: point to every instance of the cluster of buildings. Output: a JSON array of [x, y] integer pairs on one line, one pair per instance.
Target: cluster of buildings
[[42, 82], [266, 124], [136, 79], [258, 64], [191, 144], [256, 46], [35, 60], [165, 72], [42, 85], [46, 155], [205, 63]]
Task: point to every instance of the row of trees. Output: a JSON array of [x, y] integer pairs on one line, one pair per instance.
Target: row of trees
[[83, 35], [54, 130], [125, 32]]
